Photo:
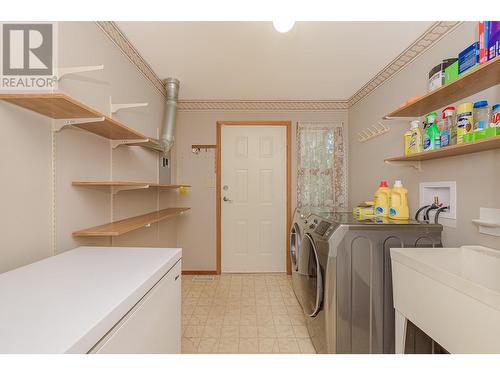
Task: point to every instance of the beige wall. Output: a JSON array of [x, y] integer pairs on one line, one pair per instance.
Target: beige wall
[[196, 232], [25, 188], [26, 159], [477, 175]]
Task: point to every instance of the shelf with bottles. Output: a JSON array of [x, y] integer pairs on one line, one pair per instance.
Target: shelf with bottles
[[476, 80], [485, 144]]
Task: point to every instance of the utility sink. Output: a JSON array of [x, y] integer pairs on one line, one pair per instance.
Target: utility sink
[[452, 294]]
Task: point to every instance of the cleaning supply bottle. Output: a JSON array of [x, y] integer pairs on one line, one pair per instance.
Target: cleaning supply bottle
[[413, 139], [432, 135], [449, 130], [481, 115], [382, 199], [464, 122], [494, 127], [399, 202]]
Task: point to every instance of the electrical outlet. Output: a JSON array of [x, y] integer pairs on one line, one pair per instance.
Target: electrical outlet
[[165, 169]]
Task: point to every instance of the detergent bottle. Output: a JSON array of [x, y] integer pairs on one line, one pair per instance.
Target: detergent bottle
[[382, 199], [413, 139], [399, 202]]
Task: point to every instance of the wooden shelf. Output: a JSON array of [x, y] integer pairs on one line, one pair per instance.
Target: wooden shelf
[[120, 227], [126, 184], [480, 78], [112, 129], [455, 150], [53, 105], [59, 106]]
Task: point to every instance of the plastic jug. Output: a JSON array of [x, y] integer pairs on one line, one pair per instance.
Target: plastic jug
[[464, 122], [449, 131], [399, 202], [382, 199], [481, 116]]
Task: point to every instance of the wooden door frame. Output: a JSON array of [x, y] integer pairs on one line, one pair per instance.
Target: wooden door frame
[[288, 125]]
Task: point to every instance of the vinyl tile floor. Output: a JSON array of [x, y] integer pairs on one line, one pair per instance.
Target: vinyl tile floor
[[242, 313]]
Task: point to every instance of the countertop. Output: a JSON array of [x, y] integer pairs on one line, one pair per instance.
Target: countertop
[[68, 302]]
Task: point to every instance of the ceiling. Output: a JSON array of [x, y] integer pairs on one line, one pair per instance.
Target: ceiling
[[252, 61]]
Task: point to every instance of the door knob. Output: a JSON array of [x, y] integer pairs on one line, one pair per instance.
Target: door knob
[[226, 199]]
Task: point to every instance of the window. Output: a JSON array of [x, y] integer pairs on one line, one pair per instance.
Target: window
[[321, 165]]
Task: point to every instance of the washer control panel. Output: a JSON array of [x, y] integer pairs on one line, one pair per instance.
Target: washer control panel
[[322, 227]]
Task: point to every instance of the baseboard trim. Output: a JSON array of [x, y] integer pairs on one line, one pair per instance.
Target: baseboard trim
[[199, 272]]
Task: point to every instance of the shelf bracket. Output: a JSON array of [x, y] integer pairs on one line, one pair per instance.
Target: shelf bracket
[[117, 107], [153, 147], [117, 189], [414, 164], [61, 72], [60, 124], [123, 142]]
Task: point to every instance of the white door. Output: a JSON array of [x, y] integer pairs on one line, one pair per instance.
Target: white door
[[253, 206]]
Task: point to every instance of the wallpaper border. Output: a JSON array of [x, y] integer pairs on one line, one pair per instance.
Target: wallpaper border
[[431, 36]]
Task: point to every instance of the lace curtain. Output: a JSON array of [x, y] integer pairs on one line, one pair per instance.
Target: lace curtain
[[321, 165]]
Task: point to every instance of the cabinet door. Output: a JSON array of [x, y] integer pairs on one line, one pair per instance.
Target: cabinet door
[[153, 325]]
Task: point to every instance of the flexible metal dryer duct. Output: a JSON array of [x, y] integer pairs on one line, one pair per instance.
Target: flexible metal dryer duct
[[168, 126]]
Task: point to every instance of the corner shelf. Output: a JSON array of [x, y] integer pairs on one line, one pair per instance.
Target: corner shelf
[[118, 186], [478, 79], [120, 227], [486, 144], [70, 112]]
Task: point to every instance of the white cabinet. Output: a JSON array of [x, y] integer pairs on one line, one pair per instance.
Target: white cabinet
[[94, 300], [153, 325]]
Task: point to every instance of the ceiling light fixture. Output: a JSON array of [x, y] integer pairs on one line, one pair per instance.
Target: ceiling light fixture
[[283, 25]]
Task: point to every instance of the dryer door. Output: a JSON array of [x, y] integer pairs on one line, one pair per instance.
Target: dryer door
[[311, 277], [295, 246]]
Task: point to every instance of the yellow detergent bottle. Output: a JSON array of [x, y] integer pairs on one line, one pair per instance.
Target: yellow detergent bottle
[[399, 202], [382, 200], [413, 139]]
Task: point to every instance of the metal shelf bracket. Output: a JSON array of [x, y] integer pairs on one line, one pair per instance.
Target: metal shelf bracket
[[117, 189], [414, 164], [122, 142], [61, 72], [117, 107], [60, 124]]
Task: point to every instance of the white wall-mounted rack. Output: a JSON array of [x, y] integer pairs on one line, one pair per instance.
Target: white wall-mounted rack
[[373, 132]]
